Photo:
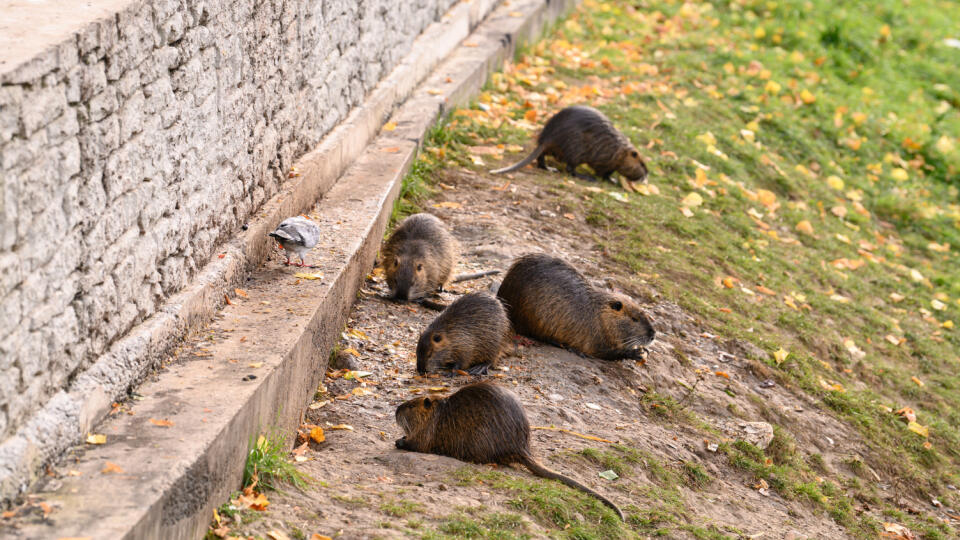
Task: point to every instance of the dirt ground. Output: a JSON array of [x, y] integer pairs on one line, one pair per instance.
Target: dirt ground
[[360, 473]]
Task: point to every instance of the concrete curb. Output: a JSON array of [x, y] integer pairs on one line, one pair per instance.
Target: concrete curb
[[70, 414], [172, 477]]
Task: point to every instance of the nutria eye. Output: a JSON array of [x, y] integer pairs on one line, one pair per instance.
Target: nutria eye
[[419, 267], [635, 154], [616, 305], [396, 262], [427, 403], [437, 338]]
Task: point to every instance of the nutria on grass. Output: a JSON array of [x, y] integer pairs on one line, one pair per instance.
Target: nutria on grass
[[583, 135], [480, 423], [469, 335], [419, 257], [548, 299]]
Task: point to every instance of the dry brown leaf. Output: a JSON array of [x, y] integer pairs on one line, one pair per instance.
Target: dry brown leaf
[[574, 433]]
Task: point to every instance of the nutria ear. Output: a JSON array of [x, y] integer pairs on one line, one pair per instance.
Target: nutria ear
[[616, 305], [427, 403]]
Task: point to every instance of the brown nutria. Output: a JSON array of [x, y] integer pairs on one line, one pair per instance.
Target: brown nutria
[[469, 335], [419, 257], [550, 300], [480, 423], [579, 134]]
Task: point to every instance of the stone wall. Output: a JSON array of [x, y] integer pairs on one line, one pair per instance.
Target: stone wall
[[141, 141]]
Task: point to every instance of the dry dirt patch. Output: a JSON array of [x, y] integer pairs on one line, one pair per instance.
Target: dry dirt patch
[[366, 488]]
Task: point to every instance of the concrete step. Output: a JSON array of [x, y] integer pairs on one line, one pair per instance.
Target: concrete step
[[264, 353]]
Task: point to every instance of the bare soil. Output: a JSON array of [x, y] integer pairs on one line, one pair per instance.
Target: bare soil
[[361, 476]]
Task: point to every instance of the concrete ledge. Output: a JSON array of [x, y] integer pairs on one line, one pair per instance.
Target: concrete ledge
[[172, 477], [70, 414]]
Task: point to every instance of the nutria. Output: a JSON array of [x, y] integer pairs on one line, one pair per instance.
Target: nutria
[[298, 235], [469, 336], [419, 257], [480, 423], [579, 134], [550, 300]]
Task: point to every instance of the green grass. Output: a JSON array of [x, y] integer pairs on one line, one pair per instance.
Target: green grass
[[759, 108], [267, 461]]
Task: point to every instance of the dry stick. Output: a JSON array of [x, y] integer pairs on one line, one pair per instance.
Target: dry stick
[[567, 431], [477, 275]]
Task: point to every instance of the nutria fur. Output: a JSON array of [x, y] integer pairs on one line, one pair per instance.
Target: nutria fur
[[550, 300], [419, 257], [480, 423], [469, 336], [579, 134]]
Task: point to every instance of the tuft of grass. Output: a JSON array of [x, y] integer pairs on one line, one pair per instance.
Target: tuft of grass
[[267, 461], [401, 509]]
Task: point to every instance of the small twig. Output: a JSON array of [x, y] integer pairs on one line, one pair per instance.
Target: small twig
[[574, 433], [476, 275], [693, 389]]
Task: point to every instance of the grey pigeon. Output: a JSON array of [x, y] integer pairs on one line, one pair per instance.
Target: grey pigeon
[[297, 235]]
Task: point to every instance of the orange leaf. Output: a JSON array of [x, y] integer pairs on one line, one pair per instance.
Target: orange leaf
[[390, 126], [805, 227], [917, 381], [530, 115], [161, 423], [241, 292], [317, 434], [111, 467], [392, 150], [722, 374]]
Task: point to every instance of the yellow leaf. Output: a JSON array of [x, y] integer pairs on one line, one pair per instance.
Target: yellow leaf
[[805, 227], [692, 200], [360, 391], [96, 438], [161, 423], [707, 139], [304, 275], [448, 204], [256, 365], [346, 427], [835, 182], [807, 97], [858, 118], [351, 350], [727, 282], [947, 324], [917, 381], [780, 355], [898, 174], [317, 434], [938, 305], [885, 31], [919, 429], [796, 57], [916, 276], [766, 197], [390, 126], [772, 87], [357, 333], [759, 32]]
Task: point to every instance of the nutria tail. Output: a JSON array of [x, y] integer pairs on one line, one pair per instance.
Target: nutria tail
[[523, 163], [543, 472]]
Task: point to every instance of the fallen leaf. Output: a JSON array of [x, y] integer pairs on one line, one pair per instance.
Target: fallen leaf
[[303, 275], [574, 433], [316, 536], [277, 535], [895, 297], [111, 468], [256, 365], [728, 282], [896, 531], [351, 374], [96, 438], [907, 414], [805, 227], [390, 126], [161, 423], [692, 200], [317, 434], [892, 339], [391, 150], [346, 427], [608, 475], [923, 431], [938, 305], [917, 381], [780, 355], [241, 292], [807, 97], [448, 204], [723, 374], [360, 391], [900, 175]]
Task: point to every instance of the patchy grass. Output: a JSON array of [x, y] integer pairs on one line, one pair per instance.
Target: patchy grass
[[267, 461], [803, 197]]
